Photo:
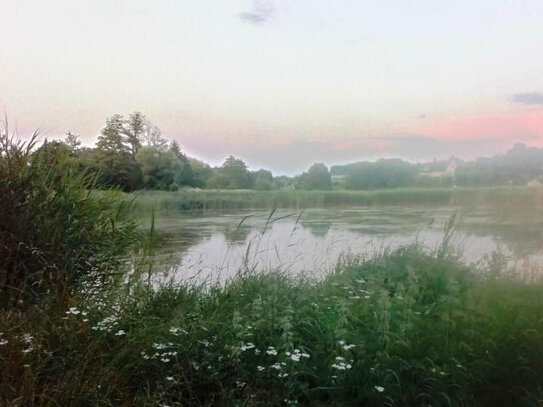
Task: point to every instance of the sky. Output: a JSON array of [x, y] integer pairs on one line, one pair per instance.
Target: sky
[[281, 83]]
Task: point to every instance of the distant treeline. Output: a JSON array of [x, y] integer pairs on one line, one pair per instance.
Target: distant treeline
[[131, 154]]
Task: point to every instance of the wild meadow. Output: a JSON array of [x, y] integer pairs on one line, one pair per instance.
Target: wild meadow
[[82, 322]]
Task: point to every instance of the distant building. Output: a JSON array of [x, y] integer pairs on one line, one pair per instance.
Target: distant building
[[449, 171]]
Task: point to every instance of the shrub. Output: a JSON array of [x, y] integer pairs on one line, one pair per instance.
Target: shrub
[[55, 232]]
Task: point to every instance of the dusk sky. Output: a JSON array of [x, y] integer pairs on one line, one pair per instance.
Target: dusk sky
[[282, 83]]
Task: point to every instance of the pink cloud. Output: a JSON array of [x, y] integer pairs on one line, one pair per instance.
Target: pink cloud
[[507, 127]]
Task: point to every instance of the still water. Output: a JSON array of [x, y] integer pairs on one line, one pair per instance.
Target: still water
[[215, 246]]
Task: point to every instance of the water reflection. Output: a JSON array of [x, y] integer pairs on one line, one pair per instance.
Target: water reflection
[[217, 245]]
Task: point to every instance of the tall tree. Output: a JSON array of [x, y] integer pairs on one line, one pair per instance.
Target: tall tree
[[263, 180], [134, 131], [110, 140], [72, 141], [235, 170], [159, 167], [153, 136], [115, 161], [185, 175], [317, 177]]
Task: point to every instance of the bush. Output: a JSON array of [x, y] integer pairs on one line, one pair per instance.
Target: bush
[[56, 233]]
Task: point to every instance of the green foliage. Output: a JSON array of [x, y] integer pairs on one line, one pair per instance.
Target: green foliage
[[317, 177], [404, 328], [55, 234], [263, 180], [201, 172], [185, 175], [159, 167], [111, 141], [134, 129], [384, 173], [517, 166], [235, 172]]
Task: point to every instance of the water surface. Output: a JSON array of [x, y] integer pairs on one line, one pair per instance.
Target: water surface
[[212, 245]]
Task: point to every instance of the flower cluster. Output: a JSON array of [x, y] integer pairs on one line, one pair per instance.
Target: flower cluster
[[107, 324], [341, 364], [296, 355], [28, 341], [345, 346]]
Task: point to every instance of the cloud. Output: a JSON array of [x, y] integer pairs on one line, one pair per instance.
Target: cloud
[[262, 12], [528, 98]]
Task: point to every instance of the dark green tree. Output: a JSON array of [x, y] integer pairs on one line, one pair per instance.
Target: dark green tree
[[263, 180], [235, 170], [185, 175], [116, 164], [159, 167], [134, 130], [317, 177]]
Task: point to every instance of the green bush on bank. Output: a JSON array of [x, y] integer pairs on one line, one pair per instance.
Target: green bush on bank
[[55, 232]]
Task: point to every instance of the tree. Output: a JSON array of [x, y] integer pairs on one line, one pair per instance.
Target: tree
[[153, 136], [52, 152], [383, 173], [263, 180], [159, 167], [235, 170], [201, 172], [114, 158], [218, 181], [185, 175], [134, 131], [111, 140], [317, 177], [72, 141]]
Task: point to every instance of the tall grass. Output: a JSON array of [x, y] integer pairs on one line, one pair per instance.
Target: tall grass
[[403, 328], [505, 197], [55, 233]]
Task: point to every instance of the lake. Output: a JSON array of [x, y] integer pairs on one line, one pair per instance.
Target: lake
[[216, 245]]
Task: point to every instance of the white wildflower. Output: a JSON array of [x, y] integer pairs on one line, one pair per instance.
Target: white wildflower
[[246, 346], [121, 332], [295, 357], [380, 389]]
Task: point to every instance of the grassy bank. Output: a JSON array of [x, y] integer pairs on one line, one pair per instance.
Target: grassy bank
[[405, 328], [82, 325], [529, 197]]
